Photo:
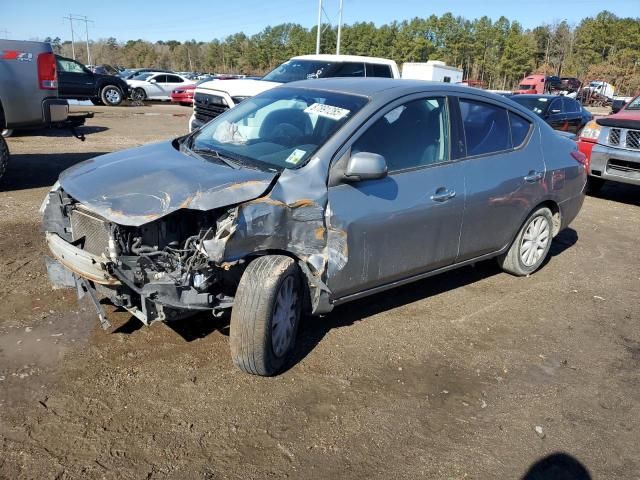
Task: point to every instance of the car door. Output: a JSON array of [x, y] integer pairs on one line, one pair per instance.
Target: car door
[[156, 87], [574, 114], [384, 230], [556, 115], [74, 80], [171, 82], [504, 172]]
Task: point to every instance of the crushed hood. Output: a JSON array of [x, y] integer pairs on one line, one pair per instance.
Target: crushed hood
[[140, 185]]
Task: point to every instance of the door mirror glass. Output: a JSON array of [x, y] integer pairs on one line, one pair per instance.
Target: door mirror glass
[[365, 166]]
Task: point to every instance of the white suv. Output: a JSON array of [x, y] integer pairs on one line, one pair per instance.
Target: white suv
[[215, 97]]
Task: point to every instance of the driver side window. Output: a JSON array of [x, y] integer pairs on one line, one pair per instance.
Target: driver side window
[[70, 66], [412, 135]]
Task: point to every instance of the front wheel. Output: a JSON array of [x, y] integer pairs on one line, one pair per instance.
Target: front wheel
[[531, 246], [111, 96], [4, 157], [265, 315]]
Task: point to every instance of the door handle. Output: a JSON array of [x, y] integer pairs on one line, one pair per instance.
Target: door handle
[[533, 177], [442, 195]]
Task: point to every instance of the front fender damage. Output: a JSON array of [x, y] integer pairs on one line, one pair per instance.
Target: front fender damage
[[268, 224]]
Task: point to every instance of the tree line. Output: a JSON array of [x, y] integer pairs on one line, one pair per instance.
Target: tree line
[[498, 53]]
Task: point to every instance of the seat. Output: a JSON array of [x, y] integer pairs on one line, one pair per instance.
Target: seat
[[285, 126]]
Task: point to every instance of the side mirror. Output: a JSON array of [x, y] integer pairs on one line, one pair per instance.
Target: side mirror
[[365, 166], [153, 80], [617, 105]]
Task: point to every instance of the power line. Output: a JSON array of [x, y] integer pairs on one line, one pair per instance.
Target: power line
[[5, 33], [85, 19]]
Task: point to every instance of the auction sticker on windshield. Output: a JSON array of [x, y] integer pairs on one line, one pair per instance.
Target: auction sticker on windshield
[[329, 111], [295, 156]]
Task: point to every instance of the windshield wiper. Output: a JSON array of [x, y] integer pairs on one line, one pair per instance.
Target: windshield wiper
[[214, 153]]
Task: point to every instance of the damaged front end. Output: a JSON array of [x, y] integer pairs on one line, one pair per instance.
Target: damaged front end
[[186, 261], [157, 271]]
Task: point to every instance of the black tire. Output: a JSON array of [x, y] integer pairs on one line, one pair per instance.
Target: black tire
[[512, 261], [252, 317], [594, 184], [138, 94], [96, 101], [111, 95], [4, 157], [185, 104]]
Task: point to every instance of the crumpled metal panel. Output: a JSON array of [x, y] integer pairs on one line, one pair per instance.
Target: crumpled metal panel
[[138, 186]]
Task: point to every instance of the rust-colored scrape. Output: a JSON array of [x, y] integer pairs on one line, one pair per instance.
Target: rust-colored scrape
[[319, 233], [186, 202], [268, 200], [305, 202], [244, 184], [120, 214]]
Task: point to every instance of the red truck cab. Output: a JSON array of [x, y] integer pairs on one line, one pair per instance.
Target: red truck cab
[[532, 84]]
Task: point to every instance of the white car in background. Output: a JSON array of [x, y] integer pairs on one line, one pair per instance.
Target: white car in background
[[156, 85]]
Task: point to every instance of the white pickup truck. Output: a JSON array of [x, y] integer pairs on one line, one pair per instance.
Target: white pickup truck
[[215, 97]]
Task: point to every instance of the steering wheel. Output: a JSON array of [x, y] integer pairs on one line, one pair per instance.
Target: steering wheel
[[286, 134]]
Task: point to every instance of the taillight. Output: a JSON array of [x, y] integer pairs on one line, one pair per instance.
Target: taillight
[[581, 158], [47, 77]]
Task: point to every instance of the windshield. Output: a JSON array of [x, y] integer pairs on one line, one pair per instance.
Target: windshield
[[142, 76], [536, 104], [294, 70], [634, 104], [278, 129]]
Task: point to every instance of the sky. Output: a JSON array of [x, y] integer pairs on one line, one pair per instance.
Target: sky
[[204, 20]]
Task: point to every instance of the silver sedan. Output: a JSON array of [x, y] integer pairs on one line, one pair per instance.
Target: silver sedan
[[308, 196]]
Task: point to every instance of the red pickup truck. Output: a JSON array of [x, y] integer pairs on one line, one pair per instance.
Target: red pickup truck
[[612, 147]]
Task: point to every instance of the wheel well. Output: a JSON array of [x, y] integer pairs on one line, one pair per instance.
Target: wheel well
[[2, 119], [305, 273]]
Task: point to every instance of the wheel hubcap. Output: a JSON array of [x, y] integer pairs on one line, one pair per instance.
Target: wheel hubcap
[[112, 95], [284, 317], [535, 241]]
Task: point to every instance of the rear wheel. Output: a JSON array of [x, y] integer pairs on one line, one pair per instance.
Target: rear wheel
[[4, 157], [531, 246], [594, 184], [111, 96], [265, 315]]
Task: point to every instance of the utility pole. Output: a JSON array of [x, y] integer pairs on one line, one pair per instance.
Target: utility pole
[[81, 18], [73, 48], [339, 30], [319, 27], [4, 33]]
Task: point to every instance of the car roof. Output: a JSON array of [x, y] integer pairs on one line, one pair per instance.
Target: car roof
[[344, 58], [374, 85], [534, 95]]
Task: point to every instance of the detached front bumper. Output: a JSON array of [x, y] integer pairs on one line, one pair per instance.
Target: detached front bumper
[[616, 164], [82, 263]]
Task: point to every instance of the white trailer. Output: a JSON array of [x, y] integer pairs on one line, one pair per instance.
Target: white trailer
[[433, 70]]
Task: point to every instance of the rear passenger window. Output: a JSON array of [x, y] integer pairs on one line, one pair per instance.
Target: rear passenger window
[[412, 135], [571, 105], [349, 69], [486, 127], [377, 70], [519, 129]]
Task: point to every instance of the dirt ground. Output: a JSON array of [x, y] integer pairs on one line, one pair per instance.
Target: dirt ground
[[472, 374]]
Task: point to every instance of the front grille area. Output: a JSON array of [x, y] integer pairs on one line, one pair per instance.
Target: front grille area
[[633, 139], [208, 107], [624, 166], [614, 136], [91, 232]]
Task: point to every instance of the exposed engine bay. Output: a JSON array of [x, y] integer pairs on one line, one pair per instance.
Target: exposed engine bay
[[160, 270]]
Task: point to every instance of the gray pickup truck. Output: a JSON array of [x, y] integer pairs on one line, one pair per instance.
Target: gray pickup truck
[[28, 90]]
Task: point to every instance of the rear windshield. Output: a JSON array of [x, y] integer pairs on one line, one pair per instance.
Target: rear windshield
[[536, 104]]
